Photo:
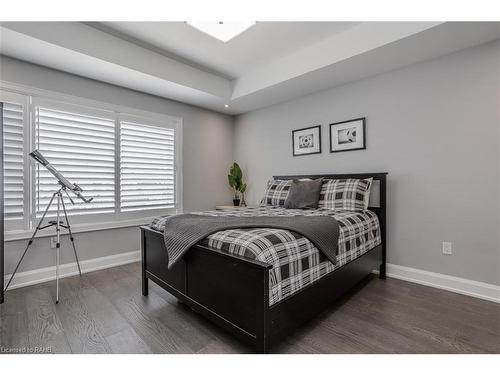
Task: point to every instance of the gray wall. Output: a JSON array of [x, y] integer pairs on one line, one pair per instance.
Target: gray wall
[[434, 127], [207, 153]]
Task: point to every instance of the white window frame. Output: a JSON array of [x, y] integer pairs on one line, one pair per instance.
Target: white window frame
[[88, 222]]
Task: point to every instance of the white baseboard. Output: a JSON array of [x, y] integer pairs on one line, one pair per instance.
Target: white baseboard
[[468, 287], [41, 275]]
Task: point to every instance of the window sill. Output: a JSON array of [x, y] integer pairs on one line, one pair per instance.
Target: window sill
[[16, 235]]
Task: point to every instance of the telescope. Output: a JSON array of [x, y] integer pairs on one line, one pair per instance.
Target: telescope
[[57, 196]]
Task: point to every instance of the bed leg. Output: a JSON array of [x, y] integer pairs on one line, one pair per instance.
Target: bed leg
[[145, 280], [145, 286], [381, 274]]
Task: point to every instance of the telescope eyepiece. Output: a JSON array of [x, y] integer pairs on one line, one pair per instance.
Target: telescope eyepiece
[[39, 157]]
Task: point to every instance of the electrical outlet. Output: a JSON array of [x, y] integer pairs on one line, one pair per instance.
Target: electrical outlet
[[53, 242], [447, 248]]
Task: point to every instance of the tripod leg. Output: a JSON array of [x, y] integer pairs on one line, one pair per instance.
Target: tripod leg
[[58, 246], [71, 236], [31, 240]]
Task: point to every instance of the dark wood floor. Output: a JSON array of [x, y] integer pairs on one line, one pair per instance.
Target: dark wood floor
[[104, 312]]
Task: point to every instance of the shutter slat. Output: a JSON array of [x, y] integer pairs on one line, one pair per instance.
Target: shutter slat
[[147, 163], [81, 157], [131, 183], [82, 148], [79, 150], [156, 152], [82, 130], [68, 119], [154, 139], [78, 144], [149, 198], [148, 145], [137, 156], [142, 192], [147, 129], [147, 170], [70, 135]]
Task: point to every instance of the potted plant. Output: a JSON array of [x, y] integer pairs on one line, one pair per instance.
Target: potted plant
[[235, 179]]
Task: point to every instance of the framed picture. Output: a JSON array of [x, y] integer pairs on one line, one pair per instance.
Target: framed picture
[[306, 141], [348, 135]]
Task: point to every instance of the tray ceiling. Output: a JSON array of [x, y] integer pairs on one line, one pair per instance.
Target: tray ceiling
[[271, 62]]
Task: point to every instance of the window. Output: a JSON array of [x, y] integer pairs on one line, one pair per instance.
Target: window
[[128, 162], [82, 148], [147, 169]]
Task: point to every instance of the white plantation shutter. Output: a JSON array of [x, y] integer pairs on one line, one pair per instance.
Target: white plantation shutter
[[147, 167], [82, 147], [127, 161], [13, 149]]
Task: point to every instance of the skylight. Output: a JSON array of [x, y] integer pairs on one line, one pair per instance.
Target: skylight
[[224, 31]]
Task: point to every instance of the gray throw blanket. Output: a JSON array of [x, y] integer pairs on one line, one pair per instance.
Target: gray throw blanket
[[185, 230]]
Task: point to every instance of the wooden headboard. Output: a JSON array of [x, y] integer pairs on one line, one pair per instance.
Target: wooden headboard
[[377, 193], [378, 197]]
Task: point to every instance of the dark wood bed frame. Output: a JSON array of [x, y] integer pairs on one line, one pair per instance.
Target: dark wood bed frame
[[233, 291]]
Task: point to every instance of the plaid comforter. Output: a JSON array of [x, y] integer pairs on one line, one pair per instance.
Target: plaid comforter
[[296, 261]]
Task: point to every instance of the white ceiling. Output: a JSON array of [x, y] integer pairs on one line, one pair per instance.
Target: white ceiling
[[259, 45], [269, 63]]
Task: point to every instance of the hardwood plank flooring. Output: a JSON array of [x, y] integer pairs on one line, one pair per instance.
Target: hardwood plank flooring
[[104, 312], [82, 331], [128, 341], [44, 328]]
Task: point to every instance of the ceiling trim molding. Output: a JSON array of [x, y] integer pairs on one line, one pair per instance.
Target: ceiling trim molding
[[118, 34]]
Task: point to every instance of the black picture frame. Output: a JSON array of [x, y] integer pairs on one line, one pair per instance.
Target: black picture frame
[[300, 130], [363, 147]]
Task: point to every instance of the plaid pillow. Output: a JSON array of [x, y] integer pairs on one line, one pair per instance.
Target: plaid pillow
[[345, 194], [276, 193]]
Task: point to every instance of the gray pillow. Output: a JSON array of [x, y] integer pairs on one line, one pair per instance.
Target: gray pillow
[[304, 194]]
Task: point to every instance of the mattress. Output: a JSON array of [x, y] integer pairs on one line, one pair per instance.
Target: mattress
[[296, 262]]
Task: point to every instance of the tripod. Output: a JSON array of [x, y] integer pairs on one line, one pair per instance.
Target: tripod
[[53, 223]]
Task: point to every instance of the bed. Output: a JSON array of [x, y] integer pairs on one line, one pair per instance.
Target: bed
[[262, 296]]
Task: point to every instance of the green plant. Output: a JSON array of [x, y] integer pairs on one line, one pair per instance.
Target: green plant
[[235, 179]]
